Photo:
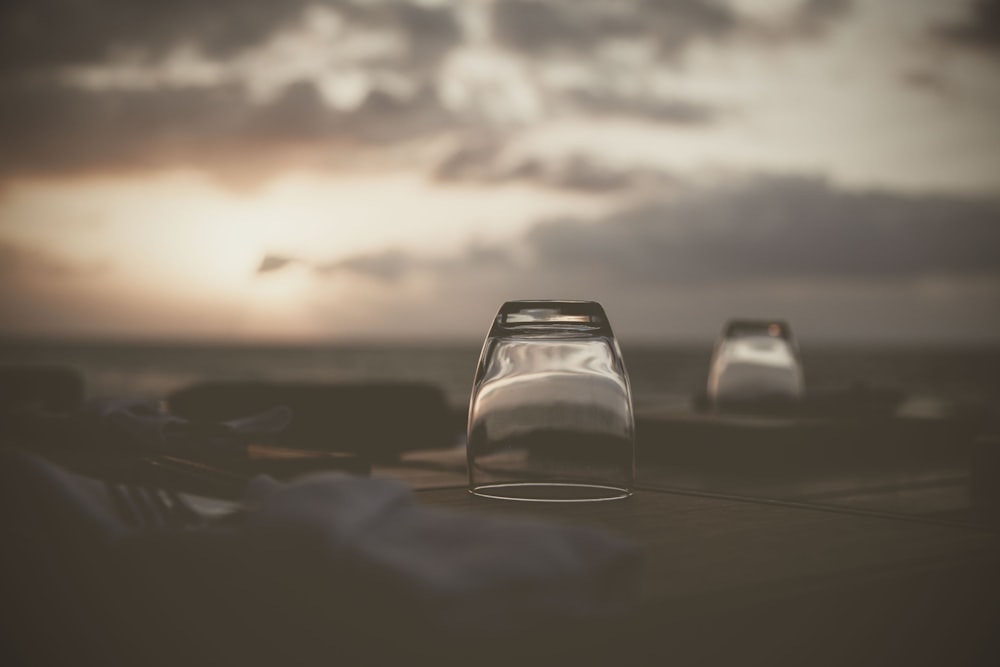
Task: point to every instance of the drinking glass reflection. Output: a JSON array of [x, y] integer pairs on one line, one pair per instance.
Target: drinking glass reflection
[[755, 365], [550, 416]]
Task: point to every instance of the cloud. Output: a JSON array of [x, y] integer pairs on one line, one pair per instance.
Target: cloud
[[979, 30], [928, 81], [474, 160], [813, 18], [430, 32], [393, 265], [573, 26], [57, 33], [271, 263], [677, 23], [547, 26], [483, 162], [673, 111], [837, 263], [762, 229], [789, 228], [386, 266], [580, 27], [770, 230], [49, 128], [51, 124], [54, 124]]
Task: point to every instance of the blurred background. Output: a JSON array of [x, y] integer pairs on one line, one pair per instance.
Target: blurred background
[[346, 190], [354, 170], [386, 172]]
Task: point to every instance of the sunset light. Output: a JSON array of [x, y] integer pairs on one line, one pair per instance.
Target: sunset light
[[397, 156]]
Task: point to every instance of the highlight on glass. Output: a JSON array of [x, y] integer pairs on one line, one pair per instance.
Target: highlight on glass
[[550, 416], [755, 365]]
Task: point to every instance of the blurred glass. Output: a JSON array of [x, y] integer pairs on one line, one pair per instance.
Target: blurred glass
[[755, 365], [550, 416]]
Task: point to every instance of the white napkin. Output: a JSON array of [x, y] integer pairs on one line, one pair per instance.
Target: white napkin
[[449, 570]]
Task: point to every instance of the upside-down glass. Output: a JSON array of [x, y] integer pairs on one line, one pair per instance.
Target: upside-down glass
[[755, 364], [550, 416]]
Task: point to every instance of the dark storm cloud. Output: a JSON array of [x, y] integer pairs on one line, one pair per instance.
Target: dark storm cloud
[[48, 33], [980, 29], [573, 26], [577, 27], [46, 127], [483, 163], [782, 228], [547, 26], [41, 34], [762, 230]]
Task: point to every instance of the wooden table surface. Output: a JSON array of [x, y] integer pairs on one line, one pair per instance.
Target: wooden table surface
[[729, 580], [695, 545], [768, 583]]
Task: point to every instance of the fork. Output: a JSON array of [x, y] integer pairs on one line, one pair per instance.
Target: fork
[[148, 507]]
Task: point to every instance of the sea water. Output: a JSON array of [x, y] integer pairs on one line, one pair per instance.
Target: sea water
[[663, 377]]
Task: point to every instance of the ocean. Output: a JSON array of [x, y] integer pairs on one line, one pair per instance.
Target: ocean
[[664, 377]]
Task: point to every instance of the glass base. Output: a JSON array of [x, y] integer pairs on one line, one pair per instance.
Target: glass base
[[551, 492]]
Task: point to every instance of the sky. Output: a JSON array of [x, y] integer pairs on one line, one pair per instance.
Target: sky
[[386, 170]]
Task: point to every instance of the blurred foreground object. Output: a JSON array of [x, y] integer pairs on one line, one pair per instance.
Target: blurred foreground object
[[755, 365], [550, 416], [327, 569]]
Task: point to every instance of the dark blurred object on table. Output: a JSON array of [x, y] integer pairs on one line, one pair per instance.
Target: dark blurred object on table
[[43, 411], [51, 388], [985, 483], [35, 402], [376, 420]]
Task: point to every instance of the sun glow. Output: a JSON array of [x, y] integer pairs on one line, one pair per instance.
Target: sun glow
[[182, 243]]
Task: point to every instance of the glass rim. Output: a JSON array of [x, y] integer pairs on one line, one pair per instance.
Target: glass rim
[[598, 492], [773, 327], [552, 314]]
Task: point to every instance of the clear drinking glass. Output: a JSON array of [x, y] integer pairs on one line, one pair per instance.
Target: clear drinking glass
[[755, 364], [550, 417]]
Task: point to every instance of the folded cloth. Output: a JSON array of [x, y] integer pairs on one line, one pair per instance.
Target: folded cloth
[[454, 571], [327, 561]]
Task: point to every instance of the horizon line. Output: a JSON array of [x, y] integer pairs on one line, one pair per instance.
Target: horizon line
[[139, 340]]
